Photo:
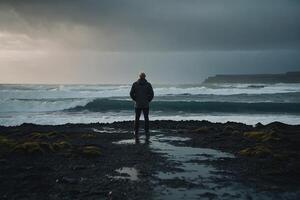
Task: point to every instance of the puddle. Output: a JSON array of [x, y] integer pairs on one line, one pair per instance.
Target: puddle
[[127, 173], [196, 180], [129, 141], [163, 138], [201, 176], [109, 130]]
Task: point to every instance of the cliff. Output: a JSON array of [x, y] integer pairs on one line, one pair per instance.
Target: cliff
[[289, 77]]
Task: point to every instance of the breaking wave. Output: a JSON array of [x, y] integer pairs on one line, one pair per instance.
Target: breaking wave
[[102, 105]]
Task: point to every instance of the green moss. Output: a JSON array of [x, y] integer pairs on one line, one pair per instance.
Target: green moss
[[39, 136], [91, 151], [4, 141], [52, 134], [32, 145], [57, 135], [38, 147], [262, 136], [29, 148], [47, 135], [257, 151], [61, 145], [254, 134]]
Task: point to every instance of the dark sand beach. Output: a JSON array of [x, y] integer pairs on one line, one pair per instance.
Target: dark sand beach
[[184, 160]]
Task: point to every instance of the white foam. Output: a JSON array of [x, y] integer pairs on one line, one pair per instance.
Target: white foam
[[231, 89]]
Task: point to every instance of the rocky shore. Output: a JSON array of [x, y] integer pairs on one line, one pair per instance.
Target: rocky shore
[[288, 77], [87, 161]]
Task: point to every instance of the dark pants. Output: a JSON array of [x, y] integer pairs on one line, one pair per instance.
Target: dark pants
[[138, 112]]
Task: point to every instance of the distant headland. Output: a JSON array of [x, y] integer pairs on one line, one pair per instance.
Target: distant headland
[[288, 77]]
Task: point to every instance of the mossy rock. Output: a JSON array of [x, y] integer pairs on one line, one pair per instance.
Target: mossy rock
[[5, 142], [52, 134], [47, 147], [262, 136], [6, 145], [61, 145], [254, 134], [29, 148], [281, 156], [203, 129], [39, 136], [236, 132], [257, 151], [229, 129], [88, 136], [56, 135], [91, 151]]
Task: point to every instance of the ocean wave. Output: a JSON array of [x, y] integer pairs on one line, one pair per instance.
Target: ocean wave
[[104, 91], [46, 99], [293, 97], [116, 103], [224, 90], [40, 105], [26, 87], [102, 105]]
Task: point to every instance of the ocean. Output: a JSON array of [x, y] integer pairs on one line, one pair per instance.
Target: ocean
[[60, 104]]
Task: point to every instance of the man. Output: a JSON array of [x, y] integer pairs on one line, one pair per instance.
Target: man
[[142, 93]]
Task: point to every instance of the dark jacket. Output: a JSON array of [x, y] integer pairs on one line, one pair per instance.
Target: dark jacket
[[142, 93]]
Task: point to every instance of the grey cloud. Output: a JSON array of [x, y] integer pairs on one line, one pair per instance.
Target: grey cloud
[[156, 25]]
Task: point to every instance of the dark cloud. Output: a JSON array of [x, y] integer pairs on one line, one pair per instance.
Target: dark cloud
[[157, 25]]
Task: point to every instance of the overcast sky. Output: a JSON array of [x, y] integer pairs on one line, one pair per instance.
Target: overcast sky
[[173, 41]]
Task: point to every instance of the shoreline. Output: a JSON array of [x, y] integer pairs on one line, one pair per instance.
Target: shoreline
[[220, 120], [83, 160]]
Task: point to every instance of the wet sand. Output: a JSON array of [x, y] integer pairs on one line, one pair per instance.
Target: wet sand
[[184, 160]]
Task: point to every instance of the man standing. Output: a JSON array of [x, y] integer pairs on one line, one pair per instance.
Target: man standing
[[142, 93]]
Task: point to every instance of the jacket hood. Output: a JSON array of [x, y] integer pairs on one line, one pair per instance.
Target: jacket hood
[[142, 81]]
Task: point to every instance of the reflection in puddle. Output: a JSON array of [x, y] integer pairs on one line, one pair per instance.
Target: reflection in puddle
[[108, 130], [128, 173], [129, 141], [162, 138]]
